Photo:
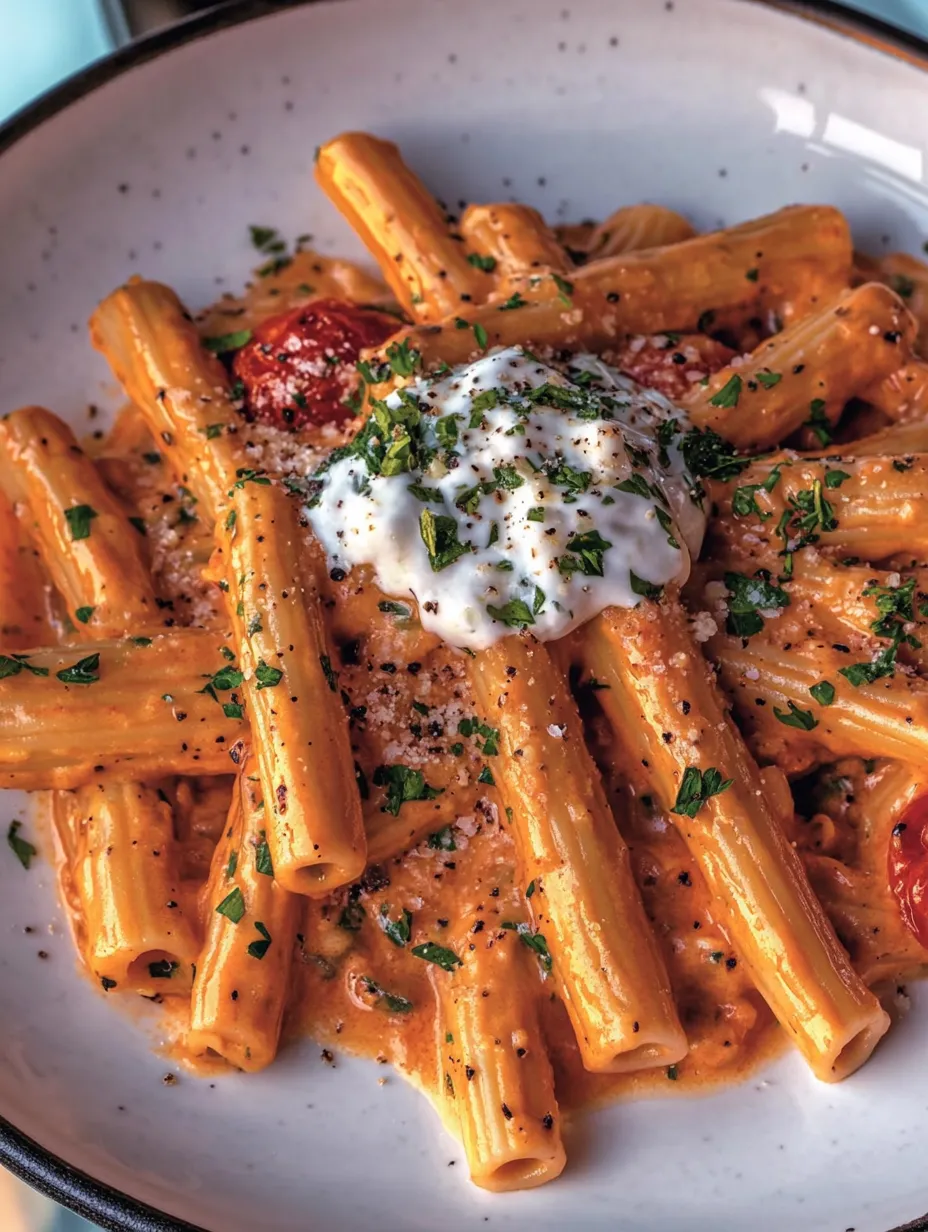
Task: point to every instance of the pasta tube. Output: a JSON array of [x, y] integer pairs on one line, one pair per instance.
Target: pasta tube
[[154, 350], [903, 393], [498, 1081], [390, 835], [843, 599], [139, 710], [672, 725], [850, 877], [887, 717], [606, 960], [633, 227], [87, 543], [402, 225], [871, 507], [133, 925], [516, 240], [124, 857], [24, 616], [908, 277], [807, 372], [243, 971], [901, 439], [654, 290], [299, 726]]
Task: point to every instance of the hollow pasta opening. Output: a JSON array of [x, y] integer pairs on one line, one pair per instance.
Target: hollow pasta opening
[[856, 1051], [153, 967], [522, 1173]]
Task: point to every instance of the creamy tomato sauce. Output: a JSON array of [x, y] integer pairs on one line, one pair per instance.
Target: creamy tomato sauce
[[425, 760]]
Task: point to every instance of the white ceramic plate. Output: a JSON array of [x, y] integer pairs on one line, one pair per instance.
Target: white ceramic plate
[[721, 108]]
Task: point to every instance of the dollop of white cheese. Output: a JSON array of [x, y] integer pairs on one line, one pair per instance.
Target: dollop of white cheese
[[512, 494]]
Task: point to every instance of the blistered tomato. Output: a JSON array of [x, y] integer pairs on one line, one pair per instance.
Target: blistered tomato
[[908, 867], [299, 368]]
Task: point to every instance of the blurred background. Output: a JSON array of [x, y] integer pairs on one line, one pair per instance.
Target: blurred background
[[42, 41]]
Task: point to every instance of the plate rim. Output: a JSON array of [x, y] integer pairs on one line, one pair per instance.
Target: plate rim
[[105, 1205]]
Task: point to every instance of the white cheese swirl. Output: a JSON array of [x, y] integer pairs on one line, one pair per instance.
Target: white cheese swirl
[[525, 507]]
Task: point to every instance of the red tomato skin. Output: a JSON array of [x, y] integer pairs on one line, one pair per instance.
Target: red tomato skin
[[673, 366], [299, 368], [908, 868]]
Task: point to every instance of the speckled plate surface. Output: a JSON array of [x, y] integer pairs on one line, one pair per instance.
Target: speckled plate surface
[[721, 108]]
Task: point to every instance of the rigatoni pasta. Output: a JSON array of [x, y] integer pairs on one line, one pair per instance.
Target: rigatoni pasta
[[242, 978], [495, 582], [315, 828]]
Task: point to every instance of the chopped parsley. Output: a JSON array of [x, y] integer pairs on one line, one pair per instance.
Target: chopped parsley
[[443, 840], [565, 290], [163, 969], [221, 344], [440, 536], [402, 358], [727, 397], [648, 590], [392, 608], [389, 1000], [446, 430], [424, 494], [516, 614], [805, 720], [709, 456], [895, 608], [818, 422], [257, 949], [223, 681], [584, 554], [478, 261], [21, 847], [78, 518], [636, 485], [403, 785], [331, 676], [823, 692], [437, 954], [263, 862], [400, 930], [489, 735], [834, 479], [515, 300], [807, 514], [13, 665], [84, 671], [696, 787], [535, 941], [267, 677], [232, 906], [747, 598]]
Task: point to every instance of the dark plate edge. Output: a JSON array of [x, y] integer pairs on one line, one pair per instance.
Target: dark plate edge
[[103, 1204], [100, 1203]]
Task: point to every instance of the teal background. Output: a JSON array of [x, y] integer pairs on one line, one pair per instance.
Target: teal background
[[42, 41]]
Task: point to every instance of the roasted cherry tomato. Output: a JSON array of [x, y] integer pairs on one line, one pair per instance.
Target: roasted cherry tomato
[[299, 367], [908, 867], [673, 364]]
